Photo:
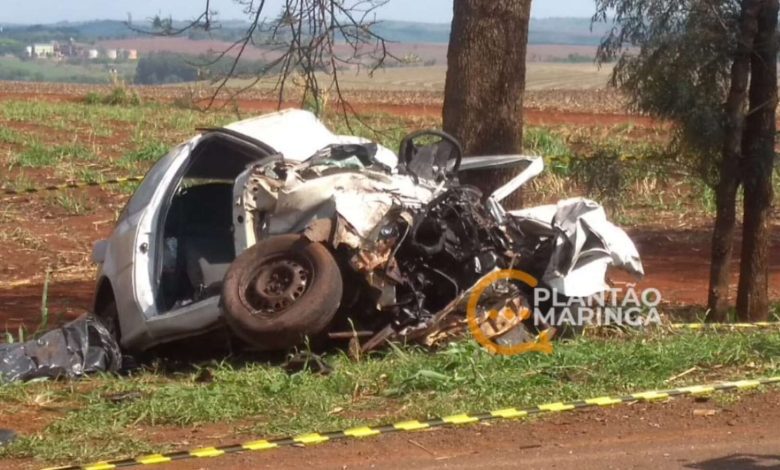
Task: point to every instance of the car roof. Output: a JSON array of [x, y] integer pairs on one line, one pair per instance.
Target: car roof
[[295, 133]]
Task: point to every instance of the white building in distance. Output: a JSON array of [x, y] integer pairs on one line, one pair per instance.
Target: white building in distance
[[41, 50]]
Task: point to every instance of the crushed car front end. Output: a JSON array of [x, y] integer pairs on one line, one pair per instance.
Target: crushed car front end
[[411, 241]]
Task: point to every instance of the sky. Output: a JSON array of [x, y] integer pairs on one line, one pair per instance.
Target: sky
[[429, 11]]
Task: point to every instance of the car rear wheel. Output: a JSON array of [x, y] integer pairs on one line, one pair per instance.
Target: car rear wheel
[[281, 291], [109, 317]]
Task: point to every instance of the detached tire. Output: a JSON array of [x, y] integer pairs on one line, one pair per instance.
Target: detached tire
[[280, 291]]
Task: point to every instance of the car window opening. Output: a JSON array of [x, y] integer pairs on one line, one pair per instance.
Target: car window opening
[[197, 243]]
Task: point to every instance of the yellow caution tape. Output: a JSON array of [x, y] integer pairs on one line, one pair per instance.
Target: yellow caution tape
[[72, 185], [414, 425]]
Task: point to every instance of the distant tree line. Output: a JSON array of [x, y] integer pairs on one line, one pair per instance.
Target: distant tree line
[[575, 58], [561, 31], [168, 67], [38, 33], [11, 46], [21, 75], [98, 30], [162, 68]]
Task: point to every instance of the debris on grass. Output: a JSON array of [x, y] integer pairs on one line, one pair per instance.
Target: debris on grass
[[7, 436]]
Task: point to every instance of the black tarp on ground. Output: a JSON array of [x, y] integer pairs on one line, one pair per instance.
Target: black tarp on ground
[[6, 436], [83, 346]]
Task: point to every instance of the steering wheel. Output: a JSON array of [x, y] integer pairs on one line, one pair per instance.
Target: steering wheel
[[430, 160]]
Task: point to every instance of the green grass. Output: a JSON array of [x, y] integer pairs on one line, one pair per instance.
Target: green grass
[[120, 95], [145, 151], [399, 384], [635, 179], [56, 71], [550, 145], [152, 116], [142, 134], [35, 156], [20, 183], [385, 129], [395, 385], [10, 136], [38, 155], [73, 204]]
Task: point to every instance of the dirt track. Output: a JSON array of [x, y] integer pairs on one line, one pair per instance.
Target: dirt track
[[740, 435], [677, 263]]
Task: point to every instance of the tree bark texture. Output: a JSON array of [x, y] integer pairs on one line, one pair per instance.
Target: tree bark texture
[[758, 155], [728, 184], [483, 97]]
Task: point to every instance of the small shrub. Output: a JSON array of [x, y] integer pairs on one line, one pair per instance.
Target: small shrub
[[551, 146], [616, 175], [120, 95], [93, 98]]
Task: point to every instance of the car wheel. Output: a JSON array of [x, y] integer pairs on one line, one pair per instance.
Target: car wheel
[[109, 317], [281, 291]]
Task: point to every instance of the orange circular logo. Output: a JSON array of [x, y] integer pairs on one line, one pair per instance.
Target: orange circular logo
[[542, 343]]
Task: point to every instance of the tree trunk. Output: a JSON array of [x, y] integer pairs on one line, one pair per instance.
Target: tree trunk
[[757, 164], [726, 191], [483, 96]]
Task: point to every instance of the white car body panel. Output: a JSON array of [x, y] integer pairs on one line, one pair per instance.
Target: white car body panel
[[575, 222]]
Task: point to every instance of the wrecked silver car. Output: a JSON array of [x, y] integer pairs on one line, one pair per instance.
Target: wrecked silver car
[[282, 231]]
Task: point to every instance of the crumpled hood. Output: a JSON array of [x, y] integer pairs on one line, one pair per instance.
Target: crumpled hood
[[362, 199]]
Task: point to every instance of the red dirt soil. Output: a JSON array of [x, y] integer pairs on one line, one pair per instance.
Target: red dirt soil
[[677, 263], [533, 117], [682, 433], [739, 435], [742, 435]]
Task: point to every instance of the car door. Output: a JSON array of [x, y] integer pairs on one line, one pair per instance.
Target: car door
[[165, 322], [138, 237]]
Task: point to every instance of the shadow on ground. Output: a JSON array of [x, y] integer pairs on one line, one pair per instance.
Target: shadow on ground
[[740, 462]]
